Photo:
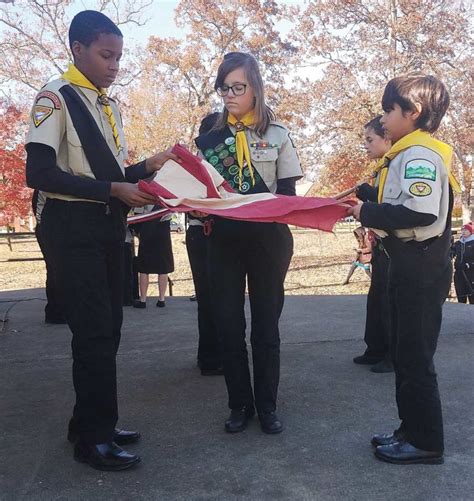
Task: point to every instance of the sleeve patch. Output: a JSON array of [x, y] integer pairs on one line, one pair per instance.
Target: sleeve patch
[[41, 113], [420, 189], [46, 94], [420, 168]]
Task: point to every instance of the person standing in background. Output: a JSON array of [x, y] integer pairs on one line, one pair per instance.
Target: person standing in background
[[155, 256], [377, 323], [209, 356]]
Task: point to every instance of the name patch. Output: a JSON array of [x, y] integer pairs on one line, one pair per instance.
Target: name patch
[[46, 94]]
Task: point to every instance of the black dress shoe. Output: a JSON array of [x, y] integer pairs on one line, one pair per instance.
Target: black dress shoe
[[270, 423], [107, 457], [139, 304], [366, 359], [238, 419], [382, 367], [404, 453], [387, 438], [160, 303], [121, 437]]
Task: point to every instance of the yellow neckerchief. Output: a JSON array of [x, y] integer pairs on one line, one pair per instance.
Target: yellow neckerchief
[[74, 76], [241, 144], [378, 166], [418, 138]]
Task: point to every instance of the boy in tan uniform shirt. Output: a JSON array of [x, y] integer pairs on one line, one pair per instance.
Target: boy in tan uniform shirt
[[76, 152]]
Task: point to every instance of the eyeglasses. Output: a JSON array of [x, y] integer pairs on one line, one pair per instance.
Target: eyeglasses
[[237, 89]]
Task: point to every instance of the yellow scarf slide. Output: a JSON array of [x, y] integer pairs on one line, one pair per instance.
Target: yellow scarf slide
[[74, 76], [241, 144]]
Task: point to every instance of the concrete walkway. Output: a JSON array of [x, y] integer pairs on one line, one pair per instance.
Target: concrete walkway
[[330, 408]]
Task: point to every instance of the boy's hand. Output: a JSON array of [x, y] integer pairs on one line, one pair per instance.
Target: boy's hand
[[155, 162], [355, 211], [131, 195]]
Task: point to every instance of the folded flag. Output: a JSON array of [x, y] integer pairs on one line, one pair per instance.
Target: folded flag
[[194, 185]]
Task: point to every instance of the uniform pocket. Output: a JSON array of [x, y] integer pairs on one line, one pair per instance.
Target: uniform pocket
[[76, 158], [264, 161]]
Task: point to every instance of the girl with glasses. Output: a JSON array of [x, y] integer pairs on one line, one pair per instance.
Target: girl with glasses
[[255, 154]]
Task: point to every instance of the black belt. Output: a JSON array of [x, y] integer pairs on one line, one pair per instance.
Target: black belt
[[422, 245]]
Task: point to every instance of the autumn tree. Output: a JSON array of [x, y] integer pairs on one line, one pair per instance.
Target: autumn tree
[[34, 48], [15, 197], [359, 45], [176, 91]]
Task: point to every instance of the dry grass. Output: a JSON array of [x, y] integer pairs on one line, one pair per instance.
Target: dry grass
[[319, 266]]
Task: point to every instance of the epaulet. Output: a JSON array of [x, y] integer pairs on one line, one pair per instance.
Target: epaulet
[[279, 124], [49, 94], [54, 85]]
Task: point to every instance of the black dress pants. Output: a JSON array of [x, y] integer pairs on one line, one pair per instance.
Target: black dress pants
[[54, 309], [209, 348], [377, 323], [260, 252], [86, 240], [419, 282], [129, 279]]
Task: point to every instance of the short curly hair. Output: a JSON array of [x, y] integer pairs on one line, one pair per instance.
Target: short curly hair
[[88, 25]]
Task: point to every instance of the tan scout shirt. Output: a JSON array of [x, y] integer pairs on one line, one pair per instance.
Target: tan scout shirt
[[52, 125], [278, 161], [417, 179]]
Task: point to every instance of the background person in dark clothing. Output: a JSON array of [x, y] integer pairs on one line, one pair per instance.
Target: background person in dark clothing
[[209, 356], [155, 256], [463, 251], [377, 322]]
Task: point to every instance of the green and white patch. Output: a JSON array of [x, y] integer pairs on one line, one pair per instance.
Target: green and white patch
[[420, 168]]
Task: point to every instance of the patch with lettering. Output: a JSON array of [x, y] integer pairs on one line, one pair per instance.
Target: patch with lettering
[[47, 94], [420, 189], [420, 168], [41, 113]]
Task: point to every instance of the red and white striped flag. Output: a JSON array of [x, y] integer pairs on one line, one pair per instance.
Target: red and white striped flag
[[196, 185]]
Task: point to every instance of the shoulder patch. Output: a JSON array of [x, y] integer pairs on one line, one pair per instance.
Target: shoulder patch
[[420, 189], [41, 113], [51, 96], [420, 168]]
